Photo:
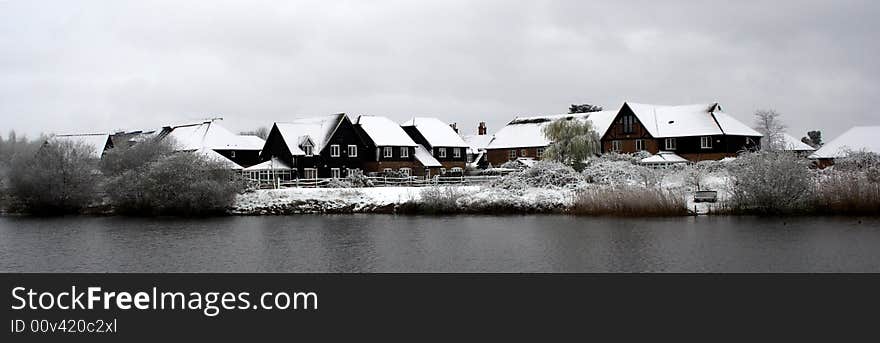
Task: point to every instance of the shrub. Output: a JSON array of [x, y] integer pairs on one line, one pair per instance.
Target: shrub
[[617, 172], [338, 183], [545, 174], [356, 178], [124, 158], [629, 201], [770, 182], [60, 178], [178, 184], [434, 200]]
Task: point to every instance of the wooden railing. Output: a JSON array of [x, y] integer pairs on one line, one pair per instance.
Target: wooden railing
[[377, 181]]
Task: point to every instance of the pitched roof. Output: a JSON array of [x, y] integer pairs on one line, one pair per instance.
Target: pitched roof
[[663, 157], [384, 132], [436, 132], [97, 141], [688, 120], [318, 130], [857, 138], [423, 155], [214, 156], [790, 143], [211, 135], [529, 131], [477, 142], [272, 164]]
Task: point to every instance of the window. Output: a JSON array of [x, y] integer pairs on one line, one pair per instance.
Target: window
[[670, 143], [335, 173], [406, 171], [352, 151], [456, 170], [387, 170], [706, 142], [232, 154], [441, 152], [310, 173], [307, 149], [404, 151], [350, 171], [640, 144], [456, 152], [334, 150], [540, 152], [523, 152], [615, 145], [388, 151], [628, 122], [511, 155]]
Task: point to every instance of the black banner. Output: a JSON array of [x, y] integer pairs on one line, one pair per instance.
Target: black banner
[[421, 306]]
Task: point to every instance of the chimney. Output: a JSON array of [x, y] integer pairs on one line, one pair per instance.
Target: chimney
[[454, 127], [481, 130]]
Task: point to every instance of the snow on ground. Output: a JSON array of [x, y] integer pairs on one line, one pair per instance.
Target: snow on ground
[[327, 200]]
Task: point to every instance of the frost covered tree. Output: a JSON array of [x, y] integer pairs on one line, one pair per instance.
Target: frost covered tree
[[813, 139], [771, 182], [573, 141], [60, 178], [767, 122], [583, 108], [262, 132]]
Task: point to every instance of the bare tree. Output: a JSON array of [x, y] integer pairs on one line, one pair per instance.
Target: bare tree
[[767, 122], [261, 132]]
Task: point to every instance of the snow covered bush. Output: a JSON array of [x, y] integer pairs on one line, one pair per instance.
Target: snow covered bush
[[356, 178], [770, 182], [337, 183], [544, 174], [177, 184], [614, 172], [60, 178], [847, 193], [513, 165], [124, 158], [434, 200]]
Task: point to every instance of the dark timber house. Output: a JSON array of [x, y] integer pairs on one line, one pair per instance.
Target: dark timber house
[[439, 140], [317, 147], [388, 147], [694, 132]]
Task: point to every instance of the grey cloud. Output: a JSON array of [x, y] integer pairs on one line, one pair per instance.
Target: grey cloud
[[102, 65]]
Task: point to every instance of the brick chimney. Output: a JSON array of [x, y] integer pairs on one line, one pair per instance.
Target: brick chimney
[[481, 130], [454, 127]]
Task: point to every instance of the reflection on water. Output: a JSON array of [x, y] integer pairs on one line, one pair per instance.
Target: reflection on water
[[388, 243]]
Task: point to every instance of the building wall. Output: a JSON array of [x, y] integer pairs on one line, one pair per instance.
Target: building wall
[[244, 158], [497, 157]]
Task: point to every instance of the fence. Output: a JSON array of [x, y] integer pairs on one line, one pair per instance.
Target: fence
[[377, 181]]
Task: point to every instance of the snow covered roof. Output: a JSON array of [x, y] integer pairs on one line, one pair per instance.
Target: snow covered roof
[[529, 131], [477, 142], [211, 135], [97, 141], [663, 157], [436, 132], [790, 143], [526, 161], [214, 156], [317, 130], [424, 157], [384, 132], [857, 138], [688, 120], [272, 164]]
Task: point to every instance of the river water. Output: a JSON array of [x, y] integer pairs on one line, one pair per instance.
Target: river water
[[390, 243]]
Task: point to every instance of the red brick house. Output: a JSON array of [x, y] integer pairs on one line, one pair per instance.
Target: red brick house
[[524, 136], [694, 132]]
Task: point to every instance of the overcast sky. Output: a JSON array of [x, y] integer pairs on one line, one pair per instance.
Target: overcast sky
[[91, 66]]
